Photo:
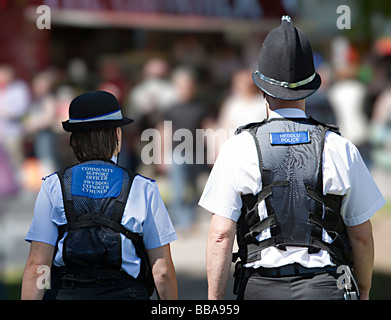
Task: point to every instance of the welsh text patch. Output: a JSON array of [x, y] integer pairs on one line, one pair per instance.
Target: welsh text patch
[[96, 181], [281, 138]]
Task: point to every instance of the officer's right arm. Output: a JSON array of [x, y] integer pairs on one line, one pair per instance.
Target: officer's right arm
[[163, 272], [219, 255], [40, 257], [232, 175]]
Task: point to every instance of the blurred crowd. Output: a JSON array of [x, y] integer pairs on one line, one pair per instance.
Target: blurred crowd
[[195, 90]]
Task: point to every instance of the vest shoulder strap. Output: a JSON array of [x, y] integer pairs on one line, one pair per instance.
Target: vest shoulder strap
[[330, 127], [249, 126]]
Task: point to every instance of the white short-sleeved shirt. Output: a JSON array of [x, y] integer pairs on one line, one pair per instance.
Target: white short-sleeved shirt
[[145, 213], [236, 173]]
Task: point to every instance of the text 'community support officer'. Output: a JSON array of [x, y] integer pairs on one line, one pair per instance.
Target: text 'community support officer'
[[298, 194], [102, 229]]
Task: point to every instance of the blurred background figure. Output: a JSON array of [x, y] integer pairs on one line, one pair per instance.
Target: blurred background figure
[[8, 184], [63, 95], [189, 113], [224, 63], [14, 103], [154, 94], [147, 101], [243, 105], [189, 50], [112, 78], [40, 120], [347, 96], [381, 130], [318, 105]]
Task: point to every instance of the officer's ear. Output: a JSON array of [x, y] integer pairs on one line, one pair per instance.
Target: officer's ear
[[118, 133]]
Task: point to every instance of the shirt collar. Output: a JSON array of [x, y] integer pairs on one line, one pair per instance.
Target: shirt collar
[[114, 159], [287, 113]]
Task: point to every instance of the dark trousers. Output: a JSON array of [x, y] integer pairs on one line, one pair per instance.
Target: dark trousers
[[120, 287], [316, 286]]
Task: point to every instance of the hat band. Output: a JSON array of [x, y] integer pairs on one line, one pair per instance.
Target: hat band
[[290, 85], [115, 115]]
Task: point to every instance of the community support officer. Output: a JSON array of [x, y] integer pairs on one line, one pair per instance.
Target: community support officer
[[104, 231], [297, 193]]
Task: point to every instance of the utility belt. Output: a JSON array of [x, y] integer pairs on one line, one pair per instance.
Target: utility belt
[[242, 274], [289, 270], [88, 278], [85, 284]]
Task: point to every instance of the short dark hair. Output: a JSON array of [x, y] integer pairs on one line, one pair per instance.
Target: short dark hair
[[94, 145]]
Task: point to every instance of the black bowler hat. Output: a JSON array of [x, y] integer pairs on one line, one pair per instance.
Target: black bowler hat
[[95, 110], [286, 67]]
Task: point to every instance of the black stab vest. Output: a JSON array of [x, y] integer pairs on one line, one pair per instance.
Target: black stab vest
[[94, 195], [290, 155]]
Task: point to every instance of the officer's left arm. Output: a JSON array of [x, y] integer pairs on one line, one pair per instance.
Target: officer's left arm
[[360, 202], [41, 255], [361, 240]]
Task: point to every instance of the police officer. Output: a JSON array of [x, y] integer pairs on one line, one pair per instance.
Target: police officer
[[103, 230], [297, 193]]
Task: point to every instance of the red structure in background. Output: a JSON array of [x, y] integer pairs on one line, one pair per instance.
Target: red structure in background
[[27, 48], [22, 44]]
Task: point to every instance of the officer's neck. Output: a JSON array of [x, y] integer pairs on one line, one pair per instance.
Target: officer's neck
[[273, 104]]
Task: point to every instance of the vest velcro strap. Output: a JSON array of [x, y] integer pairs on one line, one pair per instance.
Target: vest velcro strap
[[316, 232], [249, 201], [252, 216], [331, 201], [254, 250], [264, 193], [265, 223], [258, 228], [330, 224], [90, 220], [118, 208], [268, 190], [93, 220], [280, 183], [340, 254]]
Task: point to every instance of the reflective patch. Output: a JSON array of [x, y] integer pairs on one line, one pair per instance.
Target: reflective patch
[[281, 138], [96, 181]]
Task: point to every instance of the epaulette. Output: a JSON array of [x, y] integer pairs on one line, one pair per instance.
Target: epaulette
[[331, 127], [249, 126], [152, 180], [44, 178]]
